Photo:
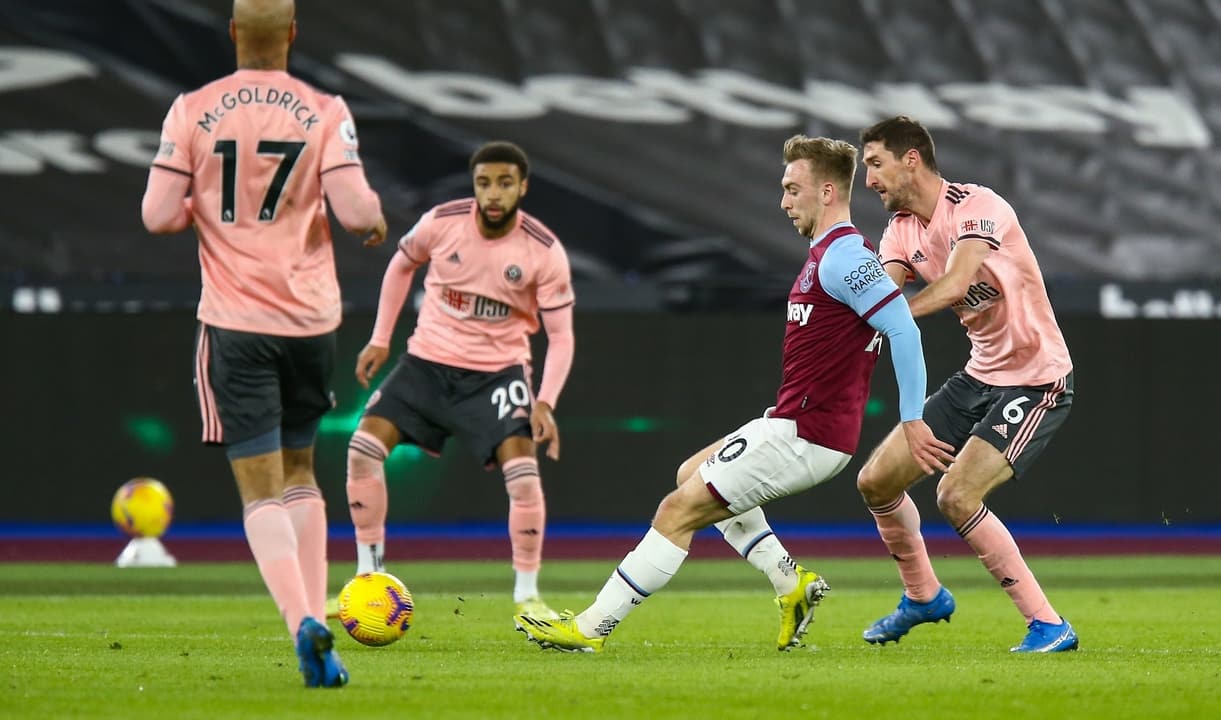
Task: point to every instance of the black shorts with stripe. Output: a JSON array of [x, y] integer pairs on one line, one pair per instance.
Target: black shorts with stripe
[[428, 402], [247, 384], [1018, 421]]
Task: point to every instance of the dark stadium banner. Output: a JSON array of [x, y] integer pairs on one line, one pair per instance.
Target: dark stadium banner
[[91, 400], [654, 132]]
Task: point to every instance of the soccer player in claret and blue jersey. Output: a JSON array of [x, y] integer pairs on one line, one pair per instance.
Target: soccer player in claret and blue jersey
[[841, 304], [262, 154]]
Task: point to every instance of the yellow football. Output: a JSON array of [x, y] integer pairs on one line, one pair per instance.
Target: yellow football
[[375, 608], [142, 507]]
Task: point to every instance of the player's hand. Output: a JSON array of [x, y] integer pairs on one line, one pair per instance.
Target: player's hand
[[369, 362], [542, 421], [377, 235], [930, 453]]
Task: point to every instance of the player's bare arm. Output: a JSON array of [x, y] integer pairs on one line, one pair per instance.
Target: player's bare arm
[[369, 362], [377, 235], [897, 272], [964, 262], [931, 454], [546, 431]]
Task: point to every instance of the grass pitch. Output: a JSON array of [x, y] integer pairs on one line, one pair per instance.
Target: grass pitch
[[205, 641]]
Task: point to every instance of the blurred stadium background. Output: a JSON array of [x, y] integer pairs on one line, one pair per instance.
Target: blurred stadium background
[[655, 128]]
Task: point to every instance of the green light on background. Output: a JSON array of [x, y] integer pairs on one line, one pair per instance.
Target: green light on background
[[631, 424], [344, 423], [410, 453], [874, 407], [640, 424], [151, 433], [408, 465], [340, 423]]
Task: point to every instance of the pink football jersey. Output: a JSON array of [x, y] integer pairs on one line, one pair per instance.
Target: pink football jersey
[[1015, 339], [255, 144], [482, 296]]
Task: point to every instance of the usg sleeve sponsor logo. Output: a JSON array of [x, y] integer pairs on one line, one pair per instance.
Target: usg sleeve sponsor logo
[[983, 227]]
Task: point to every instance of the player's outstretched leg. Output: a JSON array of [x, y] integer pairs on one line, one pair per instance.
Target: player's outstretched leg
[[910, 614], [797, 608], [644, 571], [797, 590], [319, 663], [560, 633]]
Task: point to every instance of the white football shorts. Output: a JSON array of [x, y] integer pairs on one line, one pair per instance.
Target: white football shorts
[[764, 460]]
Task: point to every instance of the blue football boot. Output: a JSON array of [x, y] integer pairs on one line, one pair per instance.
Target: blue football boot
[[1047, 638], [908, 615], [320, 664]]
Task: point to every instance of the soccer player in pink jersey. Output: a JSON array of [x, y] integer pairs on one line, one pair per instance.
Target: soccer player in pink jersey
[[840, 305], [999, 412], [493, 269], [251, 160]]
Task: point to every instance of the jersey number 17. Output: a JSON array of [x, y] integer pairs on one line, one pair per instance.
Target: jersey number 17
[[227, 149]]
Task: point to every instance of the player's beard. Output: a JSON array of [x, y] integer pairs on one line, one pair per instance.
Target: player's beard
[[806, 230], [900, 196], [508, 215]]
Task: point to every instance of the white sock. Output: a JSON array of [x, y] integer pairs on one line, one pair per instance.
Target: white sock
[[754, 540], [643, 572], [370, 558], [525, 586]]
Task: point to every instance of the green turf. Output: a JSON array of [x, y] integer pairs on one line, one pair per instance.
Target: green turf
[[204, 641]]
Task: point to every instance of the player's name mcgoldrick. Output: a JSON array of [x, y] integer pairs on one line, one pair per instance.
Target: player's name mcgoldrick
[[260, 96]]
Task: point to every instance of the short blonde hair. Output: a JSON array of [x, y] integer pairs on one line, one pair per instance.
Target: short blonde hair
[[831, 160]]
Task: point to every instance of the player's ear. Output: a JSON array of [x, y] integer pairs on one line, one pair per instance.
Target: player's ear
[[525, 185], [292, 32], [233, 31]]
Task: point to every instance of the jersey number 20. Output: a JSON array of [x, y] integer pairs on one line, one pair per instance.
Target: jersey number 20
[[506, 398]]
